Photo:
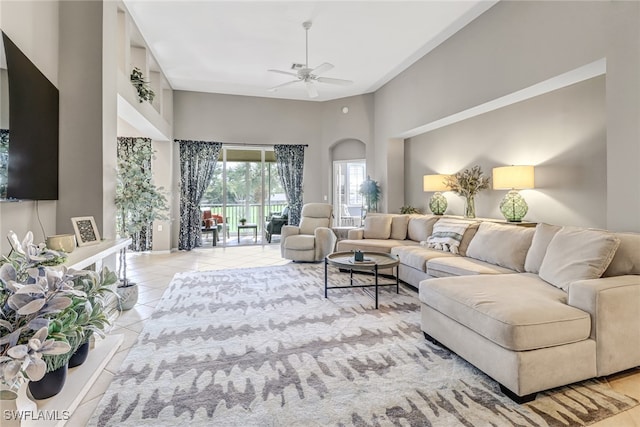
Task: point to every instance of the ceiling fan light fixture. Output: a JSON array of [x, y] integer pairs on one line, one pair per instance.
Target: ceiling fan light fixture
[[309, 75]]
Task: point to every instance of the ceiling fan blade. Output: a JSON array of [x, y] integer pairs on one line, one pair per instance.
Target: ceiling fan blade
[[322, 68], [311, 90], [334, 81], [287, 73], [275, 88]]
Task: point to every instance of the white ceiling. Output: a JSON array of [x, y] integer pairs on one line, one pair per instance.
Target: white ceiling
[[228, 46]]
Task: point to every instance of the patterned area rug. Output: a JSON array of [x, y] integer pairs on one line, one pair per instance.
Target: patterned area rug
[[263, 347]]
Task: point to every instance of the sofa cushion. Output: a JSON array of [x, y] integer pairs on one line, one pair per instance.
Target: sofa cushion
[[462, 266], [420, 227], [541, 238], [417, 256], [372, 245], [377, 227], [308, 224], [501, 244], [300, 242], [516, 311], [627, 257], [577, 254], [399, 225], [447, 234]]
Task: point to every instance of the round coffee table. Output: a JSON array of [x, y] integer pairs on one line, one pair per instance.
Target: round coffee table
[[373, 261]]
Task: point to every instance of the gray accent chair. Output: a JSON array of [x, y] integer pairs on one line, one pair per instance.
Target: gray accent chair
[[312, 240]]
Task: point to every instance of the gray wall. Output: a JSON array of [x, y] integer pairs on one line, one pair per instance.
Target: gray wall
[[254, 120], [562, 133], [512, 46], [41, 47]]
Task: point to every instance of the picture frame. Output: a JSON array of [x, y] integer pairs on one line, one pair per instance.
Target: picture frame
[[86, 230]]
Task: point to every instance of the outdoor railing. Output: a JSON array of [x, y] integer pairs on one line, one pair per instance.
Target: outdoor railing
[[251, 212]]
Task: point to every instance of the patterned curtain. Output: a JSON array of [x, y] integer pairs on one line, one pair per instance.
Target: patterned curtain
[[142, 240], [4, 162], [197, 161], [290, 163]]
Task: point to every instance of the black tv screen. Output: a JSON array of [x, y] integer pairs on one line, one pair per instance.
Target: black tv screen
[[31, 140]]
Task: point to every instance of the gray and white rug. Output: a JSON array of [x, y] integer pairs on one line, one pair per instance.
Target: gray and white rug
[[263, 347]]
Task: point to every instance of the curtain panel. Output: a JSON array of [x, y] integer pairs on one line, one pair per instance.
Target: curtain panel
[[130, 150], [197, 161], [290, 164]]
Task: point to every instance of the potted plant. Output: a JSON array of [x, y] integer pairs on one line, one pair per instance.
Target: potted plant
[[408, 209], [468, 183], [139, 202], [371, 192], [243, 221], [145, 93]]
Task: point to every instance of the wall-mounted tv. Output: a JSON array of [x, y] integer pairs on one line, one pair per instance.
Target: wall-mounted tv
[[29, 116]]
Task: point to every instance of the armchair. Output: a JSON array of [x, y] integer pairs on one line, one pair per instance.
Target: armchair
[[274, 224], [312, 240]]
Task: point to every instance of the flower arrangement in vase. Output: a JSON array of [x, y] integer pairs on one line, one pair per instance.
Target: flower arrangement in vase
[[468, 183]]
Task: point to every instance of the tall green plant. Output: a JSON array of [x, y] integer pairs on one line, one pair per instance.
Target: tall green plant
[[139, 202], [371, 192]]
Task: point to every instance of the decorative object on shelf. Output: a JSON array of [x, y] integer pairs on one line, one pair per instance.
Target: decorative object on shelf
[[243, 221], [371, 192], [62, 242], [513, 178], [437, 183], [408, 209], [46, 313], [86, 230], [468, 183], [142, 86]]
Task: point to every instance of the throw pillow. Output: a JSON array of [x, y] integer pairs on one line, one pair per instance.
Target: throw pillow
[[500, 244], [577, 254], [447, 235], [377, 227], [467, 238], [543, 235], [627, 257], [399, 226], [421, 227]]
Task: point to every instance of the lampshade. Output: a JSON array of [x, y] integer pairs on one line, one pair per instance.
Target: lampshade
[[509, 177], [434, 183]]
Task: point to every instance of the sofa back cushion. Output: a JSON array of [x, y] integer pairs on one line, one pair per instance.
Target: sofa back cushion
[[541, 238], [377, 227], [399, 225], [577, 254], [501, 244], [420, 227], [627, 257], [309, 224]]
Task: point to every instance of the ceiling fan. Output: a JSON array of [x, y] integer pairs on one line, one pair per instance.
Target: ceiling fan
[[309, 76]]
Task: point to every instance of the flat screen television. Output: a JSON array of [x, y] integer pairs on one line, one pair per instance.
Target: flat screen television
[[29, 117]]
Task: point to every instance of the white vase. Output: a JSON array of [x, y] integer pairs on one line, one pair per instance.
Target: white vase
[[128, 296]]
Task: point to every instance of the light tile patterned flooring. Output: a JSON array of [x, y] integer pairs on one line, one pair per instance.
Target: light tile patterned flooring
[[153, 273]]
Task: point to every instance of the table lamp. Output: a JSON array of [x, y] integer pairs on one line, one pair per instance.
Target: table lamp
[[513, 178], [437, 202]]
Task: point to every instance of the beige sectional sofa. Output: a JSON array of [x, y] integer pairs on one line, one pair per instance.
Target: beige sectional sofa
[[534, 308]]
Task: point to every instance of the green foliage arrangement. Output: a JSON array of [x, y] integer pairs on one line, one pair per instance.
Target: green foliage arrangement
[[468, 182], [408, 209], [45, 313], [138, 200], [371, 192], [142, 86]]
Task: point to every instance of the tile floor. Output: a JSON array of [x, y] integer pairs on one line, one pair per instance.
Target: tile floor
[[153, 273]]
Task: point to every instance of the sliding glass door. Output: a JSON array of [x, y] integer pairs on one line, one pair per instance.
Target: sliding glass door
[[245, 191]]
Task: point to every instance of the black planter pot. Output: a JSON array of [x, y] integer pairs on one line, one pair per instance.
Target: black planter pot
[[49, 385], [79, 356]]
